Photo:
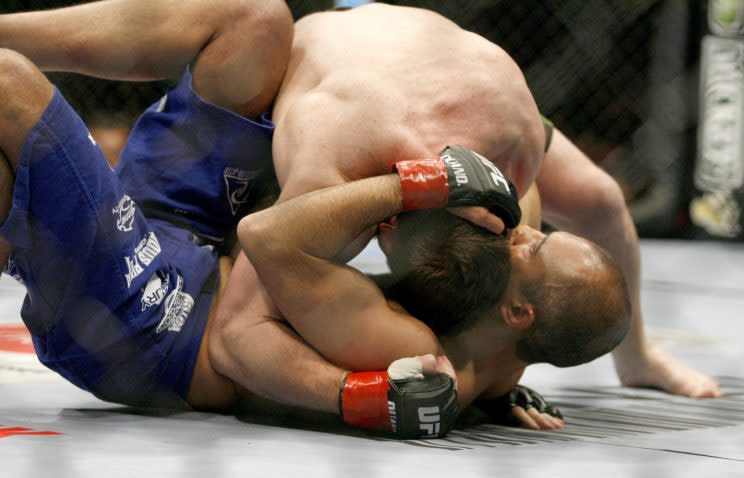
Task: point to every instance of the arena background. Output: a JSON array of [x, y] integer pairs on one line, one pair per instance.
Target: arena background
[[620, 78]]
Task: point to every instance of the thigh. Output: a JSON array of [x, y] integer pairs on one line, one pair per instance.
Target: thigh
[[94, 268], [25, 93], [67, 206]]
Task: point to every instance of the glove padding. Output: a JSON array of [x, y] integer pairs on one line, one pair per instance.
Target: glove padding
[[458, 177], [402, 401], [499, 410]]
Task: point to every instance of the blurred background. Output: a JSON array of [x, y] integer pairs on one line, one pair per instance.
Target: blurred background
[[621, 78]]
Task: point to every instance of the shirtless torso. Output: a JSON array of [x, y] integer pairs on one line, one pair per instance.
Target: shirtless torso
[[379, 84], [364, 89]]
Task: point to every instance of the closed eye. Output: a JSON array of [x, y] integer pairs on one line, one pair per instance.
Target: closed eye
[[537, 247]]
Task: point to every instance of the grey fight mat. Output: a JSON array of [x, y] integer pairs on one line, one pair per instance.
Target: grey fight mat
[[693, 298]]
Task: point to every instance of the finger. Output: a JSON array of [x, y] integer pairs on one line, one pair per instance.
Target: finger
[[480, 216], [555, 414], [428, 363], [444, 365], [553, 422], [543, 420], [557, 422], [524, 418]]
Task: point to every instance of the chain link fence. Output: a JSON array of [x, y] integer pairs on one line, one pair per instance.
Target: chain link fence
[[618, 77]]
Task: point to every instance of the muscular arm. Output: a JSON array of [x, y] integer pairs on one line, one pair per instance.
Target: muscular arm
[[252, 344], [580, 198], [259, 351], [291, 245], [239, 47]]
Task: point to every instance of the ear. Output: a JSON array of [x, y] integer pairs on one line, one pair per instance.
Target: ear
[[385, 235], [518, 314]]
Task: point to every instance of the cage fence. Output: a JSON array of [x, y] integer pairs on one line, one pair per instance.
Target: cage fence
[[619, 78]]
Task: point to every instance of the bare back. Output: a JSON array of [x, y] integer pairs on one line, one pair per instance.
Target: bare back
[[380, 83], [363, 89]]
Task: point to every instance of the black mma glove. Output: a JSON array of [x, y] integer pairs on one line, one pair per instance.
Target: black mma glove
[[401, 401], [458, 177], [499, 410]]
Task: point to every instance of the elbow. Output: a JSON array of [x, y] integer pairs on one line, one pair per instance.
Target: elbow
[[255, 235]]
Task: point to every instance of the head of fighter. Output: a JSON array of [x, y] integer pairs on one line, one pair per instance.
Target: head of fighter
[[559, 298]]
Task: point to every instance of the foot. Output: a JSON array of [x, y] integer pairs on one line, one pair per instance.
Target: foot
[[656, 368]]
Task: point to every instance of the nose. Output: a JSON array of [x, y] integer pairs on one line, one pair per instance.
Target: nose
[[524, 235]]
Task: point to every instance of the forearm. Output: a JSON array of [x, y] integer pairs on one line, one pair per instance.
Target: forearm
[[252, 347], [118, 39], [335, 308], [580, 198], [620, 240], [274, 363], [323, 223]]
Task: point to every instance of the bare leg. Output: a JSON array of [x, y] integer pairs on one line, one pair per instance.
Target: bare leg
[[238, 50], [6, 193], [582, 199], [25, 94]]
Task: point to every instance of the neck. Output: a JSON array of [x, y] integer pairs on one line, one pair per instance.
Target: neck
[[484, 340], [483, 355]]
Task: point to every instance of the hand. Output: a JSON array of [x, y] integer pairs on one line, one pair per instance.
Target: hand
[[458, 177], [656, 368], [415, 398], [416, 367], [480, 216], [524, 407]]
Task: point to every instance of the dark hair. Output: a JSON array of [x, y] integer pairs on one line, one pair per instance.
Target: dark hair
[[446, 270], [578, 317]]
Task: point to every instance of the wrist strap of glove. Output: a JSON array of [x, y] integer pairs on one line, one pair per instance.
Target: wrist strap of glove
[[424, 183], [364, 400]]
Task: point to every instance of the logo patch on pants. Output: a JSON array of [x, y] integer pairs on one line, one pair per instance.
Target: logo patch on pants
[[124, 213], [178, 306], [147, 250], [155, 290], [238, 182], [11, 269]]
